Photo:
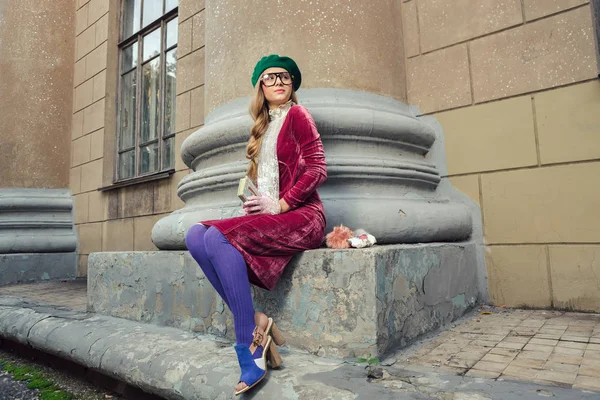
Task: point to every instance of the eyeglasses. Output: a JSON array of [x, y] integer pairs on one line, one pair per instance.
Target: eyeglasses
[[271, 79]]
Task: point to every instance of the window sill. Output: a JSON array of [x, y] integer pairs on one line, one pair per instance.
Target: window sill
[[140, 179]]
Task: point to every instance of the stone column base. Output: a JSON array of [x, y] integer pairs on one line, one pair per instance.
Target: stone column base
[[346, 303], [31, 267]]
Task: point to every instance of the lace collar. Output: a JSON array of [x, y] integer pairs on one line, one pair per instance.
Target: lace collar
[[280, 111]]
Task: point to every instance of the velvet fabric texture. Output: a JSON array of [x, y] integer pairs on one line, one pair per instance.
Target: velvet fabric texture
[[268, 242]]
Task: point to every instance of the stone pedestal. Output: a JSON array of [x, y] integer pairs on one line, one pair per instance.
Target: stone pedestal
[[37, 235], [334, 303]]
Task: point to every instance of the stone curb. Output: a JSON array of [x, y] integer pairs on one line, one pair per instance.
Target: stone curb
[[164, 361], [178, 365]]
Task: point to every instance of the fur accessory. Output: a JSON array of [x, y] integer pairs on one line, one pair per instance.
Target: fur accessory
[[343, 237], [338, 238]]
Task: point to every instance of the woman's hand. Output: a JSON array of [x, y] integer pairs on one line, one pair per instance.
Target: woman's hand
[[284, 207], [262, 204]]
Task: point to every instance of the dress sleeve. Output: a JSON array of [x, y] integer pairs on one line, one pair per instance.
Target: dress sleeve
[[311, 151]]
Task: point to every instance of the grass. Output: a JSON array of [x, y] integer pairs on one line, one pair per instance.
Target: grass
[[36, 380]]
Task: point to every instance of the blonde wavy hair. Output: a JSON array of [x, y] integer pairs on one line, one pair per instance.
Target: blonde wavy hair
[[259, 111]]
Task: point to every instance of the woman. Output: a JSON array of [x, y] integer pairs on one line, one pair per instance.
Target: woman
[[287, 162]]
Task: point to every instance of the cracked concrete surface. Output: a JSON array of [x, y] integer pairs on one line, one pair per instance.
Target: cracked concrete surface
[[335, 303], [176, 364]]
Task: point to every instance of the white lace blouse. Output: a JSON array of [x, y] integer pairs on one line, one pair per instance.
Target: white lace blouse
[[268, 163]]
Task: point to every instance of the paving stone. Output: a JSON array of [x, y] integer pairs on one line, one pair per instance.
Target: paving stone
[[484, 343], [588, 370], [593, 346], [579, 339], [517, 339], [539, 348], [592, 354], [557, 366], [595, 340], [580, 328], [552, 329], [490, 366], [566, 359], [470, 355], [550, 336], [494, 337], [557, 376], [544, 342], [478, 373], [572, 345], [568, 351], [510, 345], [556, 324], [533, 323], [525, 332], [520, 373], [534, 355], [498, 358], [527, 363], [504, 352], [587, 383], [460, 362]]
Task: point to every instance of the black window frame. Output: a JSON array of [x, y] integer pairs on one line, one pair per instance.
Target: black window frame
[[137, 36]]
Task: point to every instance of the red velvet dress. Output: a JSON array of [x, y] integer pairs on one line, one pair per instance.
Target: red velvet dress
[[268, 242]]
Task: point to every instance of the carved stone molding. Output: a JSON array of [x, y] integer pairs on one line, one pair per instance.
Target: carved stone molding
[[378, 176]]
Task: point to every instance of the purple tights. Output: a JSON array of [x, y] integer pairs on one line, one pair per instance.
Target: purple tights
[[226, 270]]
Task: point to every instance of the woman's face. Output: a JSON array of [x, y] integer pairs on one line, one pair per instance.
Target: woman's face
[[280, 91]]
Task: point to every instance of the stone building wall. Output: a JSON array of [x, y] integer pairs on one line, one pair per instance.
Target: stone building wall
[[36, 71], [121, 218], [514, 85]]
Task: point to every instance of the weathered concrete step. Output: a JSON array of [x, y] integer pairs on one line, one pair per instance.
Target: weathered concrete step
[[164, 361], [179, 365], [339, 303]]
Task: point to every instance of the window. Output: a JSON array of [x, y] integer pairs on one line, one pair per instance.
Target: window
[[147, 65]]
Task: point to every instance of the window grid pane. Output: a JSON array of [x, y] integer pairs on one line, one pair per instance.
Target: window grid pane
[[172, 26], [170, 4], [129, 57], [169, 158], [128, 110], [150, 100], [127, 164], [131, 17], [149, 158], [170, 94], [151, 44], [152, 11]]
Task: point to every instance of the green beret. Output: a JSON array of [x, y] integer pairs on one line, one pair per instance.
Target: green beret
[[275, 60]]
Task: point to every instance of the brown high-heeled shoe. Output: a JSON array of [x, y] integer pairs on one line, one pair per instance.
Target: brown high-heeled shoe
[[270, 349]]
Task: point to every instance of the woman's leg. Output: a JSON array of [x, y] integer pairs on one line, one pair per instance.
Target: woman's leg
[[194, 240], [233, 275]]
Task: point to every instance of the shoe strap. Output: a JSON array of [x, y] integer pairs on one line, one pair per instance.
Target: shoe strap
[[258, 336]]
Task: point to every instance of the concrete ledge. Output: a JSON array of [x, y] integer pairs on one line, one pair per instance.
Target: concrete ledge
[[177, 365], [164, 361], [30, 267], [332, 303]]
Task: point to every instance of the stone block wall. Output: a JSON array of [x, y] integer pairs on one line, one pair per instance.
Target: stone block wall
[[121, 218], [514, 86], [36, 73]]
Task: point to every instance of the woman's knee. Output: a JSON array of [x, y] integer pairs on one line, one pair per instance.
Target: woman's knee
[[213, 240], [195, 235]]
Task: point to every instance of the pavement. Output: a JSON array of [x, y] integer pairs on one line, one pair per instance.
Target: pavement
[[493, 353]]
